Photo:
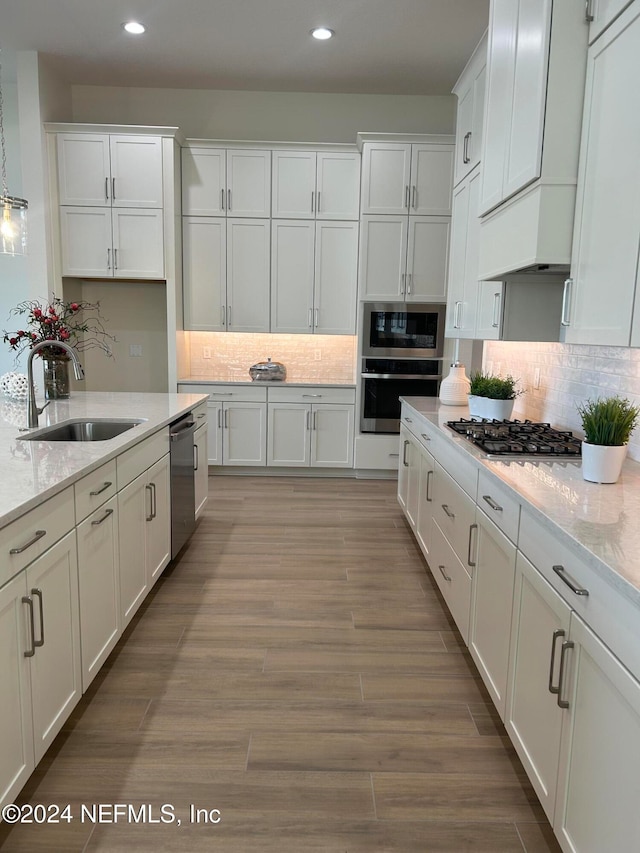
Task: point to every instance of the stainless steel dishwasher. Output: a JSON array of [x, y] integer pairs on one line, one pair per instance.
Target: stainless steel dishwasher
[[183, 497]]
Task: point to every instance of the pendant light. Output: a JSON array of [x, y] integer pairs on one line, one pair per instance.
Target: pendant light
[[13, 210]]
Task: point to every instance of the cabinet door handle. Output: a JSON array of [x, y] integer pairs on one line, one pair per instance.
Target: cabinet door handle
[[404, 454], [406, 196], [26, 599], [588, 11], [196, 457], [313, 202], [149, 489], [427, 495], [308, 419], [228, 201], [115, 259], [228, 317], [312, 395], [226, 418], [38, 594], [425, 436], [494, 506], [414, 197], [311, 318], [106, 189], [444, 574], [222, 199], [99, 491], [448, 511], [108, 259], [155, 500], [471, 562], [318, 203], [36, 536], [409, 283], [219, 418], [113, 189], [402, 281], [566, 303], [465, 148], [408, 420], [456, 315], [106, 515], [552, 665], [496, 310], [573, 586], [317, 319], [315, 421], [563, 703]]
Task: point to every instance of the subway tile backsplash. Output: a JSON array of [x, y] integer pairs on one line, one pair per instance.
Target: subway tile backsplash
[[569, 374], [307, 358]]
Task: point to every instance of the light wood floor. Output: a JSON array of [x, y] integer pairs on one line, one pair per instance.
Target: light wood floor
[[294, 669]]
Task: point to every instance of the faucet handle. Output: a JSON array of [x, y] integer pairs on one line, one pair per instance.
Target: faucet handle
[[40, 411]]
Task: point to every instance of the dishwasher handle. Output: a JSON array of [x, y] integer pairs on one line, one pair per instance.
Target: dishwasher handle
[[181, 429]]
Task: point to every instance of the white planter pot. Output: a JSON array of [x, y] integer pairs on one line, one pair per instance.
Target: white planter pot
[[602, 464], [486, 407]]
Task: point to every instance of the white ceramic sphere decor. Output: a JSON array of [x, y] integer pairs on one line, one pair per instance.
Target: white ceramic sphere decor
[[487, 407], [18, 387], [602, 463], [5, 383]]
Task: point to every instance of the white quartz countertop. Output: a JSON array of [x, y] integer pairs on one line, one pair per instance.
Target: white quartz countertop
[[33, 471], [599, 522], [328, 383]]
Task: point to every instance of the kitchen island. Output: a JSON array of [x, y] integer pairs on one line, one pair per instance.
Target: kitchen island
[[541, 573]]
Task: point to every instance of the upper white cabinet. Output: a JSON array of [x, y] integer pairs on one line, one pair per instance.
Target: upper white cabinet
[[101, 170], [602, 300], [463, 288], [600, 13], [411, 178], [470, 90], [226, 182], [536, 62], [316, 185], [314, 277]]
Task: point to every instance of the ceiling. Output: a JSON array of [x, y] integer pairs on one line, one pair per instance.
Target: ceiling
[[396, 47]]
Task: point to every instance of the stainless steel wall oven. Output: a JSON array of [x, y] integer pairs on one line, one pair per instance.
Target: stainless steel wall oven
[[384, 381], [401, 330]]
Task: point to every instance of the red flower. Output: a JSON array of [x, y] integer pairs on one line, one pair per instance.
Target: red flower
[[74, 306], [37, 312], [52, 310], [13, 341], [64, 334], [21, 334]]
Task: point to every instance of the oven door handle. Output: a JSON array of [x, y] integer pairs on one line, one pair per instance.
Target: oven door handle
[[401, 375]]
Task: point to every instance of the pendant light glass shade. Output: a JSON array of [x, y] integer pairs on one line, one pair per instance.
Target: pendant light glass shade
[[13, 210]]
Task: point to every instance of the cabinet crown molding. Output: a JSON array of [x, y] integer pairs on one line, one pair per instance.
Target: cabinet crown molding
[[405, 138], [138, 130], [272, 146]]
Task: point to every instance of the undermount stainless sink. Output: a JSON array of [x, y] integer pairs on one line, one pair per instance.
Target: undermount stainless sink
[[97, 429]]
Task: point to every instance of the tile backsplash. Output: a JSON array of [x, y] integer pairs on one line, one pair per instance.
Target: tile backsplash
[[568, 374], [308, 358]]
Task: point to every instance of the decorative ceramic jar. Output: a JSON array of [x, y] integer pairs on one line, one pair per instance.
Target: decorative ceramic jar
[[489, 408], [454, 389], [602, 463]]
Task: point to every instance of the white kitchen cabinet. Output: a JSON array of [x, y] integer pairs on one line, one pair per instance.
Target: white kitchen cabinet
[[454, 511], [39, 661], [316, 185], [491, 607], [401, 178], [289, 435], [602, 298], [533, 718], [101, 170], [99, 587], [244, 433], [332, 436], [314, 277], [226, 274], [409, 475], [597, 804], [226, 182], [144, 533], [201, 467], [424, 521], [489, 311], [404, 258], [452, 579], [601, 13], [463, 285], [469, 90]]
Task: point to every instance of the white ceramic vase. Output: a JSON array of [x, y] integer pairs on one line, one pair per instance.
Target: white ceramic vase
[[602, 464], [487, 407], [454, 389]]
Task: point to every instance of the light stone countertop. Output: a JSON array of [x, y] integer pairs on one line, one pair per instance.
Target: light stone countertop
[[599, 522], [33, 471], [277, 383]]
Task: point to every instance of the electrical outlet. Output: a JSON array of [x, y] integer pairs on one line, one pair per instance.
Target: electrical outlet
[[536, 377], [317, 354], [135, 350], [206, 352]]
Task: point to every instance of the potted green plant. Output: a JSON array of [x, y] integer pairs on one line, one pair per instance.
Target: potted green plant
[[607, 423], [492, 396]]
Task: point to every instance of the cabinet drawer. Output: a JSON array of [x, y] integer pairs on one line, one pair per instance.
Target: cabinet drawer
[[452, 579], [36, 531], [133, 462], [200, 413], [312, 395], [454, 511], [94, 489], [238, 393], [502, 507]]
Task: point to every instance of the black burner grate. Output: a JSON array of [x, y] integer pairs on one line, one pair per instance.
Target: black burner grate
[[518, 438]]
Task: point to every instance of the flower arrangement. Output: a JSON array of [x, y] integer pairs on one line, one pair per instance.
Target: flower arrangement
[[76, 323]]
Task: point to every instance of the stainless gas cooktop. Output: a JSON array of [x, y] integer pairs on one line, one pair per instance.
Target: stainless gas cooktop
[[518, 439]]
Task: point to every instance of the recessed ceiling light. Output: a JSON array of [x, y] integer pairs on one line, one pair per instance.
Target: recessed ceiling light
[[322, 33], [134, 27]]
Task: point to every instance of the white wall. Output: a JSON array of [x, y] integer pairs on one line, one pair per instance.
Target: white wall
[[267, 116]]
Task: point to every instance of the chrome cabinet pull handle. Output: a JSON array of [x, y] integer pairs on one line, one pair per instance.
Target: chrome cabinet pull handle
[[221, 394], [228, 201], [552, 666], [409, 283], [404, 454], [402, 280], [315, 421], [428, 497], [196, 456], [471, 562], [395, 454], [588, 11], [425, 436], [30, 652], [448, 511], [202, 415], [36, 536], [406, 196], [465, 148], [148, 488], [108, 259], [414, 197], [313, 200], [444, 574], [312, 395], [318, 203], [106, 189], [317, 317], [228, 316], [496, 313], [311, 318], [101, 490], [573, 586], [308, 420], [106, 515], [563, 703], [226, 418], [113, 189], [115, 259], [408, 420], [494, 506], [219, 418], [38, 593], [154, 511], [222, 199], [566, 302]]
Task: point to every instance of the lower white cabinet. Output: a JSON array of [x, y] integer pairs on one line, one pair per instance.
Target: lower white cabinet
[[201, 466], [144, 528], [452, 579], [99, 586], [409, 475], [316, 435], [39, 660], [237, 433], [424, 520]]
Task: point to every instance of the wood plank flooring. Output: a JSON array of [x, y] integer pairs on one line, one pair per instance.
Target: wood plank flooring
[[296, 670]]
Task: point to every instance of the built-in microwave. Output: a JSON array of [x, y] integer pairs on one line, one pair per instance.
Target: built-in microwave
[[401, 330]]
